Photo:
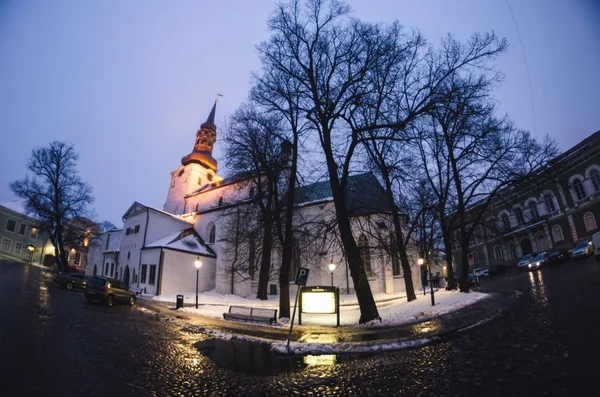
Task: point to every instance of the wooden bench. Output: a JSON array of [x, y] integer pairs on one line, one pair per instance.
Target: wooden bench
[[251, 314]]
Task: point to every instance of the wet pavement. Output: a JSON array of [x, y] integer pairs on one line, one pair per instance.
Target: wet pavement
[[53, 343]]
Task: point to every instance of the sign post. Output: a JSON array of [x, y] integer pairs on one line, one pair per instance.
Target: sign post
[[301, 278]]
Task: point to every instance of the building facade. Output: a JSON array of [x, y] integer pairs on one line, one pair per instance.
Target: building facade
[[20, 236], [210, 218], [556, 208]]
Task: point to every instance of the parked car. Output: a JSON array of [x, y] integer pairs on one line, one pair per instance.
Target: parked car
[[582, 250], [486, 273], [479, 272], [473, 280], [539, 261], [108, 291], [497, 269], [558, 257], [523, 263], [596, 242], [71, 280]]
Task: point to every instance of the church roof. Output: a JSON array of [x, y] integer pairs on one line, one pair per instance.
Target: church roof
[[137, 207], [364, 194], [188, 241]]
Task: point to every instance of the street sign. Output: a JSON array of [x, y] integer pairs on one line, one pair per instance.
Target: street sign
[[301, 276]]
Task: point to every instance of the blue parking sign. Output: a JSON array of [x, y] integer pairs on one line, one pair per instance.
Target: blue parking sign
[[302, 276]]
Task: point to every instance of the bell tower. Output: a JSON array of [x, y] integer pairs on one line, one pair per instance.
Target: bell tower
[[197, 169]]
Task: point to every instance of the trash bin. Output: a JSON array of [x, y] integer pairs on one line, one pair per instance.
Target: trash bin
[[179, 303], [272, 289]]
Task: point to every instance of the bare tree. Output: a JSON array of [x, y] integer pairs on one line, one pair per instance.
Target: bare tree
[[54, 193]]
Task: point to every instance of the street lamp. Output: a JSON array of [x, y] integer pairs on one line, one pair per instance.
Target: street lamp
[[420, 261], [198, 265], [332, 269]]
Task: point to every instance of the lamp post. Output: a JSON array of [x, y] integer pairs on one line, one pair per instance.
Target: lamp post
[[420, 261], [331, 270], [198, 265]]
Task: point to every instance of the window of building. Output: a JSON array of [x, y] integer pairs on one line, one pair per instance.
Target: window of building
[[11, 224], [220, 201], [505, 221], [365, 254], [128, 231], [29, 255], [199, 181], [22, 228], [557, 233], [128, 254], [475, 258], [396, 270], [143, 274], [77, 258], [497, 252], [180, 173], [251, 193], [533, 212], [296, 259], [549, 203], [152, 277], [34, 232], [6, 244], [595, 178], [18, 247], [212, 235], [112, 269], [137, 228], [106, 269], [578, 189], [590, 221]]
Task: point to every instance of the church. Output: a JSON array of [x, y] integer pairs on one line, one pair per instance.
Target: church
[[213, 219]]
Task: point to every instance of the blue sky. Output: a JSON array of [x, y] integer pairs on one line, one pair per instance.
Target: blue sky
[[129, 82]]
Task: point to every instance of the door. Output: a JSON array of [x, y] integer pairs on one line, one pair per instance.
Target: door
[[126, 277], [526, 246]]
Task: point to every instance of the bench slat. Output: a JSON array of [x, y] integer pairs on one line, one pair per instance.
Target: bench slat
[[251, 314]]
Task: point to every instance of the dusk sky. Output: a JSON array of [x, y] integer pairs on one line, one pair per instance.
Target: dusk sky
[[130, 82]]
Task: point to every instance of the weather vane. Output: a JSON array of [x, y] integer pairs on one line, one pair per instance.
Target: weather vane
[[218, 95]]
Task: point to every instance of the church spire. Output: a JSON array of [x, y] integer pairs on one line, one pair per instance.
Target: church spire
[[205, 139]]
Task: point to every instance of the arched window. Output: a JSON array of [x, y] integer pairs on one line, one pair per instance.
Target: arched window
[[590, 221], [212, 235], [505, 221], [533, 212], [512, 251], [220, 201], [557, 233], [519, 215], [475, 258], [578, 188], [95, 270], [595, 178], [365, 254], [549, 203], [251, 193], [497, 252], [542, 244]]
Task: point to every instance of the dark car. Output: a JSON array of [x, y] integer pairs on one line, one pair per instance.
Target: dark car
[[558, 257], [497, 269], [539, 261], [108, 291], [473, 280], [71, 280]]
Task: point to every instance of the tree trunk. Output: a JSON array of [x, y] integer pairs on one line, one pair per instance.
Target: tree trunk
[[284, 270], [265, 261], [464, 248], [446, 235]]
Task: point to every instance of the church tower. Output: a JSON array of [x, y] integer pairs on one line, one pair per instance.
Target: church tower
[[197, 169]]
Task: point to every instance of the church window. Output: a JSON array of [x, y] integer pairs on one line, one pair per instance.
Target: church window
[[210, 177], [212, 235], [152, 276], [220, 201], [199, 181], [128, 231], [137, 228], [180, 173], [365, 254]]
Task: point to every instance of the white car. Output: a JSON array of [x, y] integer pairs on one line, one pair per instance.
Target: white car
[[479, 272]]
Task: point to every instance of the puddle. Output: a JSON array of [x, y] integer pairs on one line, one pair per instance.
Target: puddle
[[258, 358]]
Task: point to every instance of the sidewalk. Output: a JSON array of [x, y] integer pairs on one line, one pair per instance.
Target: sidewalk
[[345, 339]]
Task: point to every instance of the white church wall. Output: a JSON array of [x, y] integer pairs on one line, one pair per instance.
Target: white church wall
[[179, 273], [96, 254], [149, 257], [162, 225]]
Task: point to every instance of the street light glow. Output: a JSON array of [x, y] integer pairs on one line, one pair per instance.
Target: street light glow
[[420, 261], [331, 267], [198, 264]]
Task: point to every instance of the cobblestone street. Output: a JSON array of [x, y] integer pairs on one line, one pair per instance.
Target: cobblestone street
[[54, 343]]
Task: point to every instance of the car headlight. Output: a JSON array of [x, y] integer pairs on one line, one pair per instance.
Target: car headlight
[[530, 265]]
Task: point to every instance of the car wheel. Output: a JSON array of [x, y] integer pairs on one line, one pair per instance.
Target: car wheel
[[110, 301], [132, 301], [69, 286]]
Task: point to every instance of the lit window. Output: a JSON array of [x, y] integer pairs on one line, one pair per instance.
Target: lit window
[[34, 232], [365, 254], [557, 233], [29, 255], [590, 221]]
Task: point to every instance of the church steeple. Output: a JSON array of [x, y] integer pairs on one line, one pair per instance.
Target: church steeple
[[205, 140]]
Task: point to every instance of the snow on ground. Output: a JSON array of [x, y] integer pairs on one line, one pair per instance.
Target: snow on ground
[[394, 310]]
